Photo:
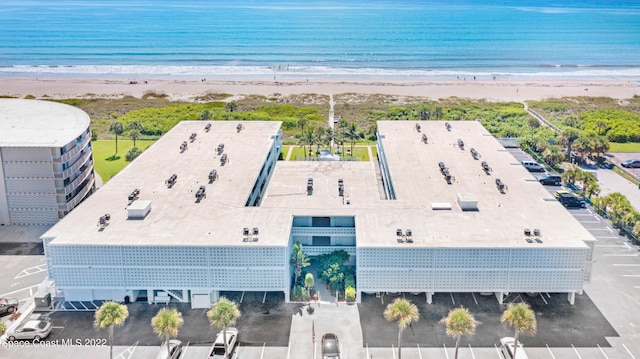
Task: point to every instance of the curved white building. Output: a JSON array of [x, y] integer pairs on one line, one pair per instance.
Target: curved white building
[[46, 161]]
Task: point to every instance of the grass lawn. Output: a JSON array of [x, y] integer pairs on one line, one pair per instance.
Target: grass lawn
[[624, 147], [106, 164], [359, 152]]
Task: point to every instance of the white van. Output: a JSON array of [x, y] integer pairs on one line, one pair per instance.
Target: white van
[[533, 166], [507, 344]]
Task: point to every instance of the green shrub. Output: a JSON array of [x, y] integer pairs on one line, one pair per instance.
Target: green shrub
[[350, 294], [133, 153], [299, 293]]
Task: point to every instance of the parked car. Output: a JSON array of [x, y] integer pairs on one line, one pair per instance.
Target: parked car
[[217, 350], [330, 346], [31, 330], [8, 305], [570, 200], [507, 344], [550, 179], [631, 163], [533, 166], [175, 348], [560, 192]]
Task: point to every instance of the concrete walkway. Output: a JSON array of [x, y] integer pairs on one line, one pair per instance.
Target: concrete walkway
[[611, 182]]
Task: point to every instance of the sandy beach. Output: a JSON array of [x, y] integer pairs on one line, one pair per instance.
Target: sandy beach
[[495, 90]]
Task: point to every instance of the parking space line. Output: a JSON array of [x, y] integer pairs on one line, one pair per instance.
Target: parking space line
[[588, 210], [602, 351], [627, 245], [497, 351], [609, 229], [242, 297], [264, 298], [265, 344], [31, 270], [9, 294], [576, 350], [589, 222], [453, 301], [597, 218], [597, 237], [419, 354], [627, 349], [474, 298], [471, 350], [550, 352], [445, 351], [600, 229]]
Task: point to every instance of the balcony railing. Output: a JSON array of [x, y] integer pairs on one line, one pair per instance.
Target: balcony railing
[[318, 250], [70, 187], [86, 139], [69, 171], [77, 198], [324, 231]]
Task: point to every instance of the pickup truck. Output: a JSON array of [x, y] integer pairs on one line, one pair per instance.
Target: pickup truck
[[218, 350]]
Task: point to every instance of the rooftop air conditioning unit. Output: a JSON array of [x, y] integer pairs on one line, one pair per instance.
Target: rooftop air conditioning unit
[[239, 127], [460, 143], [310, 186], [418, 127], [171, 180], [213, 175], [104, 221], [220, 148], [501, 186], [200, 194], [474, 153], [486, 168], [207, 127], [467, 202], [139, 210], [134, 195], [223, 159], [447, 125], [424, 138]]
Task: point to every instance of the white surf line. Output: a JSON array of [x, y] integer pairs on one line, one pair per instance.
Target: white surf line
[[474, 298], [454, 302], [550, 352], [602, 351], [32, 270], [471, 350], [627, 349], [576, 350]]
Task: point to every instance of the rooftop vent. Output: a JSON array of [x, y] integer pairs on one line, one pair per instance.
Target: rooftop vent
[[424, 138], [220, 148], [399, 232], [309, 186], [171, 180], [239, 127], [104, 221], [193, 136], [536, 232], [501, 186], [207, 127], [245, 231], [255, 231], [340, 187], [445, 172], [486, 168], [527, 232], [201, 193], [183, 146], [139, 210], [460, 143], [447, 125], [134, 195], [442, 166], [467, 202], [440, 206], [213, 175], [475, 154], [408, 236], [223, 159], [418, 127]]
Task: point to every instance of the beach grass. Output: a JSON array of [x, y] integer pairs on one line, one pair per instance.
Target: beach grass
[[624, 147], [106, 162]]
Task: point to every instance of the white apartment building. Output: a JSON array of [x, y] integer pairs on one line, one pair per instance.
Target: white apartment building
[[46, 164], [407, 226]]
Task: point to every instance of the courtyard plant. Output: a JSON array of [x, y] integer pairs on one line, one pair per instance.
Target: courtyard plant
[[403, 312], [166, 324], [110, 315], [223, 314]]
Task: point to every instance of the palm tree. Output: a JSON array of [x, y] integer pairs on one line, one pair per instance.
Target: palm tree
[[301, 123], [117, 128], [459, 322], [352, 134], [299, 260], [222, 315], [308, 138], [231, 106], [318, 138], [308, 282], [205, 115], [424, 113], [134, 135], [404, 313], [329, 137], [109, 315], [167, 323], [520, 317], [437, 112]]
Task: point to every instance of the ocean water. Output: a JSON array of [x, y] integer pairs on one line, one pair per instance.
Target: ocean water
[[348, 39]]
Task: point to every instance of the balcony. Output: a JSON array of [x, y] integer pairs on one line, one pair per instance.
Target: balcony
[[70, 187], [77, 198], [71, 170], [318, 250], [79, 146], [324, 231]]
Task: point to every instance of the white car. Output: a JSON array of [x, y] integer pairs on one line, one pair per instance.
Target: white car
[[32, 330], [175, 348], [507, 344], [217, 350]]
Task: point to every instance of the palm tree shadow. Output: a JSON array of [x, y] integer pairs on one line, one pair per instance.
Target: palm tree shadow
[[113, 158]]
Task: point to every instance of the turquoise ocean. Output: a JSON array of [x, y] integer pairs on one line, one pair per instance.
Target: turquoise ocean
[[348, 39]]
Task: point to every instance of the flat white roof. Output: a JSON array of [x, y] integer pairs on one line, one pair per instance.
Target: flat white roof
[[218, 220], [34, 123]]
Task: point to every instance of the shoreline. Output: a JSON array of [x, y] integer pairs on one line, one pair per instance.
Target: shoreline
[[188, 89]]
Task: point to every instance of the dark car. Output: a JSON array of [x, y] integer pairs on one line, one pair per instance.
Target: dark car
[[631, 164], [8, 305], [330, 346], [549, 179], [569, 200]]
